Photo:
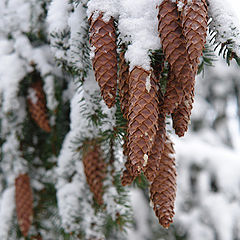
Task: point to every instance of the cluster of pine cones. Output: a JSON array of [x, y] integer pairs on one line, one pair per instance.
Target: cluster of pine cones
[[182, 29], [148, 149]]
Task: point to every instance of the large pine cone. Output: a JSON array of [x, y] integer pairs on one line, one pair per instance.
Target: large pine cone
[[194, 18], [142, 117], [37, 105], [103, 41], [95, 170], [24, 203], [163, 187], [175, 50]]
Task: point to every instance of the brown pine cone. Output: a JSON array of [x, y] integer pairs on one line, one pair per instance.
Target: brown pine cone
[[123, 83], [103, 41], [24, 203], [37, 105], [95, 170], [163, 187], [181, 115], [155, 156], [142, 118], [127, 177], [175, 50], [194, 18]]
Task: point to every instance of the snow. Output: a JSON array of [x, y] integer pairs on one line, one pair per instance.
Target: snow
[[108, 7], [7, 207], [225, 23], [138, 24], [10, 80], [32, 95], [141, 231], [148, 84], [58, 15]]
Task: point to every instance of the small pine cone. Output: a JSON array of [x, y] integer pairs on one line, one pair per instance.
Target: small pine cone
[[24, 203], [163, 187], [127, 177], [142, 118], [155, 156], [95, 170], [194, 18], [181, 115], [123, 83], [37, 105], [103, 41], [175, 50]]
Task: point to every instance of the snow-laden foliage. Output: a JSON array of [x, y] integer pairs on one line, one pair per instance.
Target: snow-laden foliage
[[50, 38], [225, 25]]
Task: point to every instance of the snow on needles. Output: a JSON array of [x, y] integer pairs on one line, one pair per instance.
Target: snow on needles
[[225, 23], [138, 24]]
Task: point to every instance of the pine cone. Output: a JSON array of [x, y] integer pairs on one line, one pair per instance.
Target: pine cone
[[95, 169], [194, 18], [181, 115], [103, 41], [157, 150], [123, 83], [163, 187], [127, 177], [142, 117], [24, 203], [37, 105], [175, 50]]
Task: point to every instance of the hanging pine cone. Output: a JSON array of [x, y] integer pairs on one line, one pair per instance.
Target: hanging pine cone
[[194, 18], [181, 115], [175, 50], [157, 150], [127, 177], [24, 203], [163, 187], [123, 83], [103, 41], [142, 117], [37, 105], [95, 169]]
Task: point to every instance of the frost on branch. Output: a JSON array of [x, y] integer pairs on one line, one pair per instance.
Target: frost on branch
[[225, 26]]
